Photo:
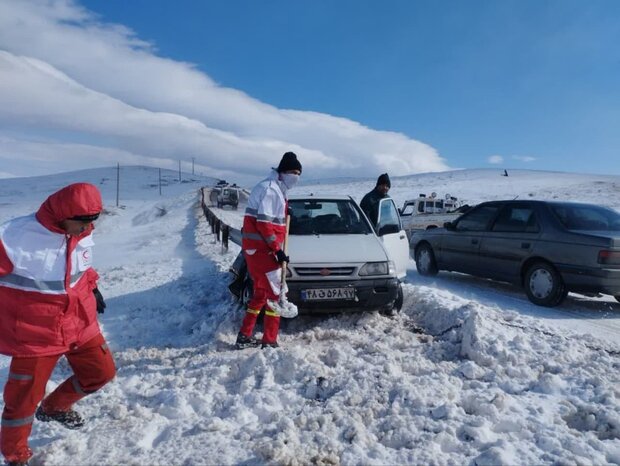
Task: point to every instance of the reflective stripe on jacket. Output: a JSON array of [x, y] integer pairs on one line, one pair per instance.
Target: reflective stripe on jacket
[[264, 223], [47, 304]]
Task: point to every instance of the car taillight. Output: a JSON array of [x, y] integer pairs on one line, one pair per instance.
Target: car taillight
[[609, 257]]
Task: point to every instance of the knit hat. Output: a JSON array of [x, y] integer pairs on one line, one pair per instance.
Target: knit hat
[[289, 162], [384, 179]]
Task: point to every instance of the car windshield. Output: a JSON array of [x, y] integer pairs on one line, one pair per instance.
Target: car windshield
[[326, 217], [587, 217]]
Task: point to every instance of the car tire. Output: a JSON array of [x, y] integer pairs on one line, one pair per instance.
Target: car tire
[[425, 260], [398, 303], [544, 285], [247, 292]]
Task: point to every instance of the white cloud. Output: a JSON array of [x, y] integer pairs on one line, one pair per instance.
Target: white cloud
[[495, 159], [63, 72], [524, 158]]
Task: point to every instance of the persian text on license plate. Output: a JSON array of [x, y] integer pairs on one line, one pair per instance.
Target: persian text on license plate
[[327, 293]]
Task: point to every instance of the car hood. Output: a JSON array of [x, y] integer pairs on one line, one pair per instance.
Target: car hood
[[335, 249]]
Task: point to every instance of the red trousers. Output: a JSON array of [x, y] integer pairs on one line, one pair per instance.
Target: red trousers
[[259, 264], [92, 366]]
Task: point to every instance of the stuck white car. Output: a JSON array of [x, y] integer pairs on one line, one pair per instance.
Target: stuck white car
[[338, 262]]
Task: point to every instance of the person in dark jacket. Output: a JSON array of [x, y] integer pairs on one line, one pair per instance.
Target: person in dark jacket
[[48, 309], [370, 202]]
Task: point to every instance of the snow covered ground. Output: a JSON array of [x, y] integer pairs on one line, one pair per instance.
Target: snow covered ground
[[469, 372]]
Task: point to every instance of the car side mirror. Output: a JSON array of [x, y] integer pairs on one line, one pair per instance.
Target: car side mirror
[[388, 229], [450, 226]]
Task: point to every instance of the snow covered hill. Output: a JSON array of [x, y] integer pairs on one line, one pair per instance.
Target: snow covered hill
[[469, 372]]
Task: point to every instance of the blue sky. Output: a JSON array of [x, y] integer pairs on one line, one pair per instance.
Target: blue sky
[[473, 79], [355, 87]]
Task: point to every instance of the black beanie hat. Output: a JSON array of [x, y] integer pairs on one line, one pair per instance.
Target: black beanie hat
[[384, 179], [289, 162]]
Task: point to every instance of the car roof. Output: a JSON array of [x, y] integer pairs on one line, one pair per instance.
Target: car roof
[[316, 197], [539, 201]]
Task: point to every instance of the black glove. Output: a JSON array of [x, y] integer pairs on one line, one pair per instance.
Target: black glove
[[281, 257], [100, 302]]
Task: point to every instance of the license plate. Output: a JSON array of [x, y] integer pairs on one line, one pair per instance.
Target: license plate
[[321, 294]]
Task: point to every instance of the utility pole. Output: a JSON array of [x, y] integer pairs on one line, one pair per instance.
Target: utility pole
[[193, 159], [179, 171], [160, 181], [118, 181]]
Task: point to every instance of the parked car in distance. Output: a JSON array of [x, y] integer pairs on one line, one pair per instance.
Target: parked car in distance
[[549, 248], [338, 262], [426, 212], [228, 195]]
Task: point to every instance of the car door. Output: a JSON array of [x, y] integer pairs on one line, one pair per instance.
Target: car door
[[509, 241], [392, 233], [461, 244]]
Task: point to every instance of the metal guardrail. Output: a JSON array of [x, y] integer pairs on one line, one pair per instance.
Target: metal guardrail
[[223, 232]]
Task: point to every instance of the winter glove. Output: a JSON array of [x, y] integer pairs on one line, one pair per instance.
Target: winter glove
[[100, 302], [281, 257]]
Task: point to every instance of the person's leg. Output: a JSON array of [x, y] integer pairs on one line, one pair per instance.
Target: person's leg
[[271, 275], [271, 327], [23, 391], [256, 264], [93, 367]]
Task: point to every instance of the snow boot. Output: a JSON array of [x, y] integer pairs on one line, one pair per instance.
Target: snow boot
[[70, 419], [270, 345], [246, 342], [17, 463]]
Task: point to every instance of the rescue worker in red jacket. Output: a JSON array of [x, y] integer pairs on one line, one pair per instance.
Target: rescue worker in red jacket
[[48, 308], [264, 229]]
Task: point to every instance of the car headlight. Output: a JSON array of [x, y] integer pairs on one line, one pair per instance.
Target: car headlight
[[375, 268]]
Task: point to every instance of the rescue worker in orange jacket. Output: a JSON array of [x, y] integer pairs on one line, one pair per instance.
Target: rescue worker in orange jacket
[[48, 308], [264, 229]]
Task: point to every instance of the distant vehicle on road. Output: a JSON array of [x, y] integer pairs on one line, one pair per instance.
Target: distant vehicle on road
[[549, 248], [228, 195], [430, 211]]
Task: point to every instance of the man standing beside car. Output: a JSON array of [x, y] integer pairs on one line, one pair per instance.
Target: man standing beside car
[[264, 230], [370, 202], [48, 308]]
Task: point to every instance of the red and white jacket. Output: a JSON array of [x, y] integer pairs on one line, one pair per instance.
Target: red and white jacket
[[47, 304], [264, 223]]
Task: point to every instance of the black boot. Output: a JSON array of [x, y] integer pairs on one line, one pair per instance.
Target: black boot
[[246, 342], [17, 463], [69, 419]]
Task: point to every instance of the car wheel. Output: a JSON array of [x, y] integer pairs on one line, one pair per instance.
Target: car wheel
[[544, 285], [425, 260], [248, 291], [398, 304]]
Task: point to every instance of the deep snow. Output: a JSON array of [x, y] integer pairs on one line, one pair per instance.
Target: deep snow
[[469, 372]]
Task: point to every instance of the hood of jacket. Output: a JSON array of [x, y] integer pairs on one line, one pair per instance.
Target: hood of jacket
[[72, 200]]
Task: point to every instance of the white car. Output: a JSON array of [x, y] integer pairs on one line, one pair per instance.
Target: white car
[[338, 262]]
